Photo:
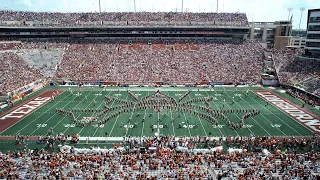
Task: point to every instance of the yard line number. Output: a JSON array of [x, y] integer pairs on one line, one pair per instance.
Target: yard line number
[[41, 125], [188, 126], [69, 125], [129, 126], [276, 125]]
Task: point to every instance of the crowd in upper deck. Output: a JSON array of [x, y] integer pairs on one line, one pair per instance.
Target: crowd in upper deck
[[217, 60], [178, 61], [48, 19]]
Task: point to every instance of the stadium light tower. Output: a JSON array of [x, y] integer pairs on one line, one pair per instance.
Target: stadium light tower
[[99, 6], [134, 5], [301, 9], [182, 6], [217, 6], [289, 10]]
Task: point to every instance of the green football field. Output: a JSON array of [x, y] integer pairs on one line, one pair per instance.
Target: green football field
[[163, 121]]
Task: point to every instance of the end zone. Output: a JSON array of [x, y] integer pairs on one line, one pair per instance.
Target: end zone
[[17, 113], [303, 116]]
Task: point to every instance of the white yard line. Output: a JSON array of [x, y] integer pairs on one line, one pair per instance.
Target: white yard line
[[276, 115], [171, 120], [27, 114], [145, 114], [240, 107], [80, 113], [218, 108], [262, 116], [201, 122], [87, 107], [51, 118], [103, 116], [130, 118], [185, 118], [252, 117], [116, 119], [174, 134], [79, 102], [39, 115], [158, 129]]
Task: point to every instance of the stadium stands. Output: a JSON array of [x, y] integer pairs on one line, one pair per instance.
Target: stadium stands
[[44, 60], [160, 157], [210, 60], [292, 71], [22, 18], [312, 85], [216, 60], [15, 73], [170, 158]]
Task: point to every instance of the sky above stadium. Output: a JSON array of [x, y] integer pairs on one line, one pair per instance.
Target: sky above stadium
[[256, 10]]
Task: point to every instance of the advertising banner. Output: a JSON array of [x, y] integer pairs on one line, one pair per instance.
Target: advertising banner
[[217, 83]]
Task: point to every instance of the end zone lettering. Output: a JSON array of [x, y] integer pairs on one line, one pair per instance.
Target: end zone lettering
[[27, 108], [298, 114]]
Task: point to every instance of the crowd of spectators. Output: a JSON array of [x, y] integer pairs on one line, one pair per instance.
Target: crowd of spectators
[[165, 157], [292, 71], [15, 73], [26, 62], [48, 19], [302, 95], [228, 60], [312, 85]]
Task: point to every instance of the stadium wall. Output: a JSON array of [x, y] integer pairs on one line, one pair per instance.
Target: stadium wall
[[27, 90], [270, 82], [122, 32]]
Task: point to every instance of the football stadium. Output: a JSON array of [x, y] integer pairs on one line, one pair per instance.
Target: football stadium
[[147, 95]]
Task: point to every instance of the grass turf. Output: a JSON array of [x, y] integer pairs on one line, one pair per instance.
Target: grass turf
[[270, 122]]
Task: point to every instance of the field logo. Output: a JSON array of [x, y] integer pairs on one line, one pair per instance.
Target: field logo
[[299, 115], [27, 108]]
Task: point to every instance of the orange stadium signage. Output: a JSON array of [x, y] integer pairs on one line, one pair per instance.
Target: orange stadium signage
[[303, 116]]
